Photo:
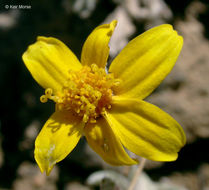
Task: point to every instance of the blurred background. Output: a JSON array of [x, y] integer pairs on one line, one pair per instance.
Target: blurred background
[[184, 94]]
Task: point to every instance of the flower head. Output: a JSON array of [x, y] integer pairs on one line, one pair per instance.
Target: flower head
[[107, 108]]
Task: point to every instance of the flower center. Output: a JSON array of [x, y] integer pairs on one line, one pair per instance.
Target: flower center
[[87, 92]]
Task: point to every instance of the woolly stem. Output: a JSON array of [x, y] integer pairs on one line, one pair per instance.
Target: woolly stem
[[137, 174]]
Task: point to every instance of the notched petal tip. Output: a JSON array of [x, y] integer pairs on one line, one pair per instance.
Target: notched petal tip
[[175, 33], [49, 40], [112, 26], [169, 28], [46, 169], [57, 139], [96, 49], [146, 61], [39, 38], [49, 60], [166, 27], [45, 162], [146, 130]]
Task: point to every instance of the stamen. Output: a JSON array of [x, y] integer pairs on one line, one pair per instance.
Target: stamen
[[48, 92], [88, 92], [43, 99]]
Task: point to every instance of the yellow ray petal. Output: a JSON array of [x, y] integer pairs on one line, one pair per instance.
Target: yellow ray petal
[[145, 129], [57, 139], [146, 61], [49, 61], [103, 141], [96, 49]]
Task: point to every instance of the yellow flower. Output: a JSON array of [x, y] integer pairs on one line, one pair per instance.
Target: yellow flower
[[107, 108]]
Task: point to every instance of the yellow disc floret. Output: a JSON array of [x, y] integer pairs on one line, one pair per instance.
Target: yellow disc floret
[[87, 92]]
